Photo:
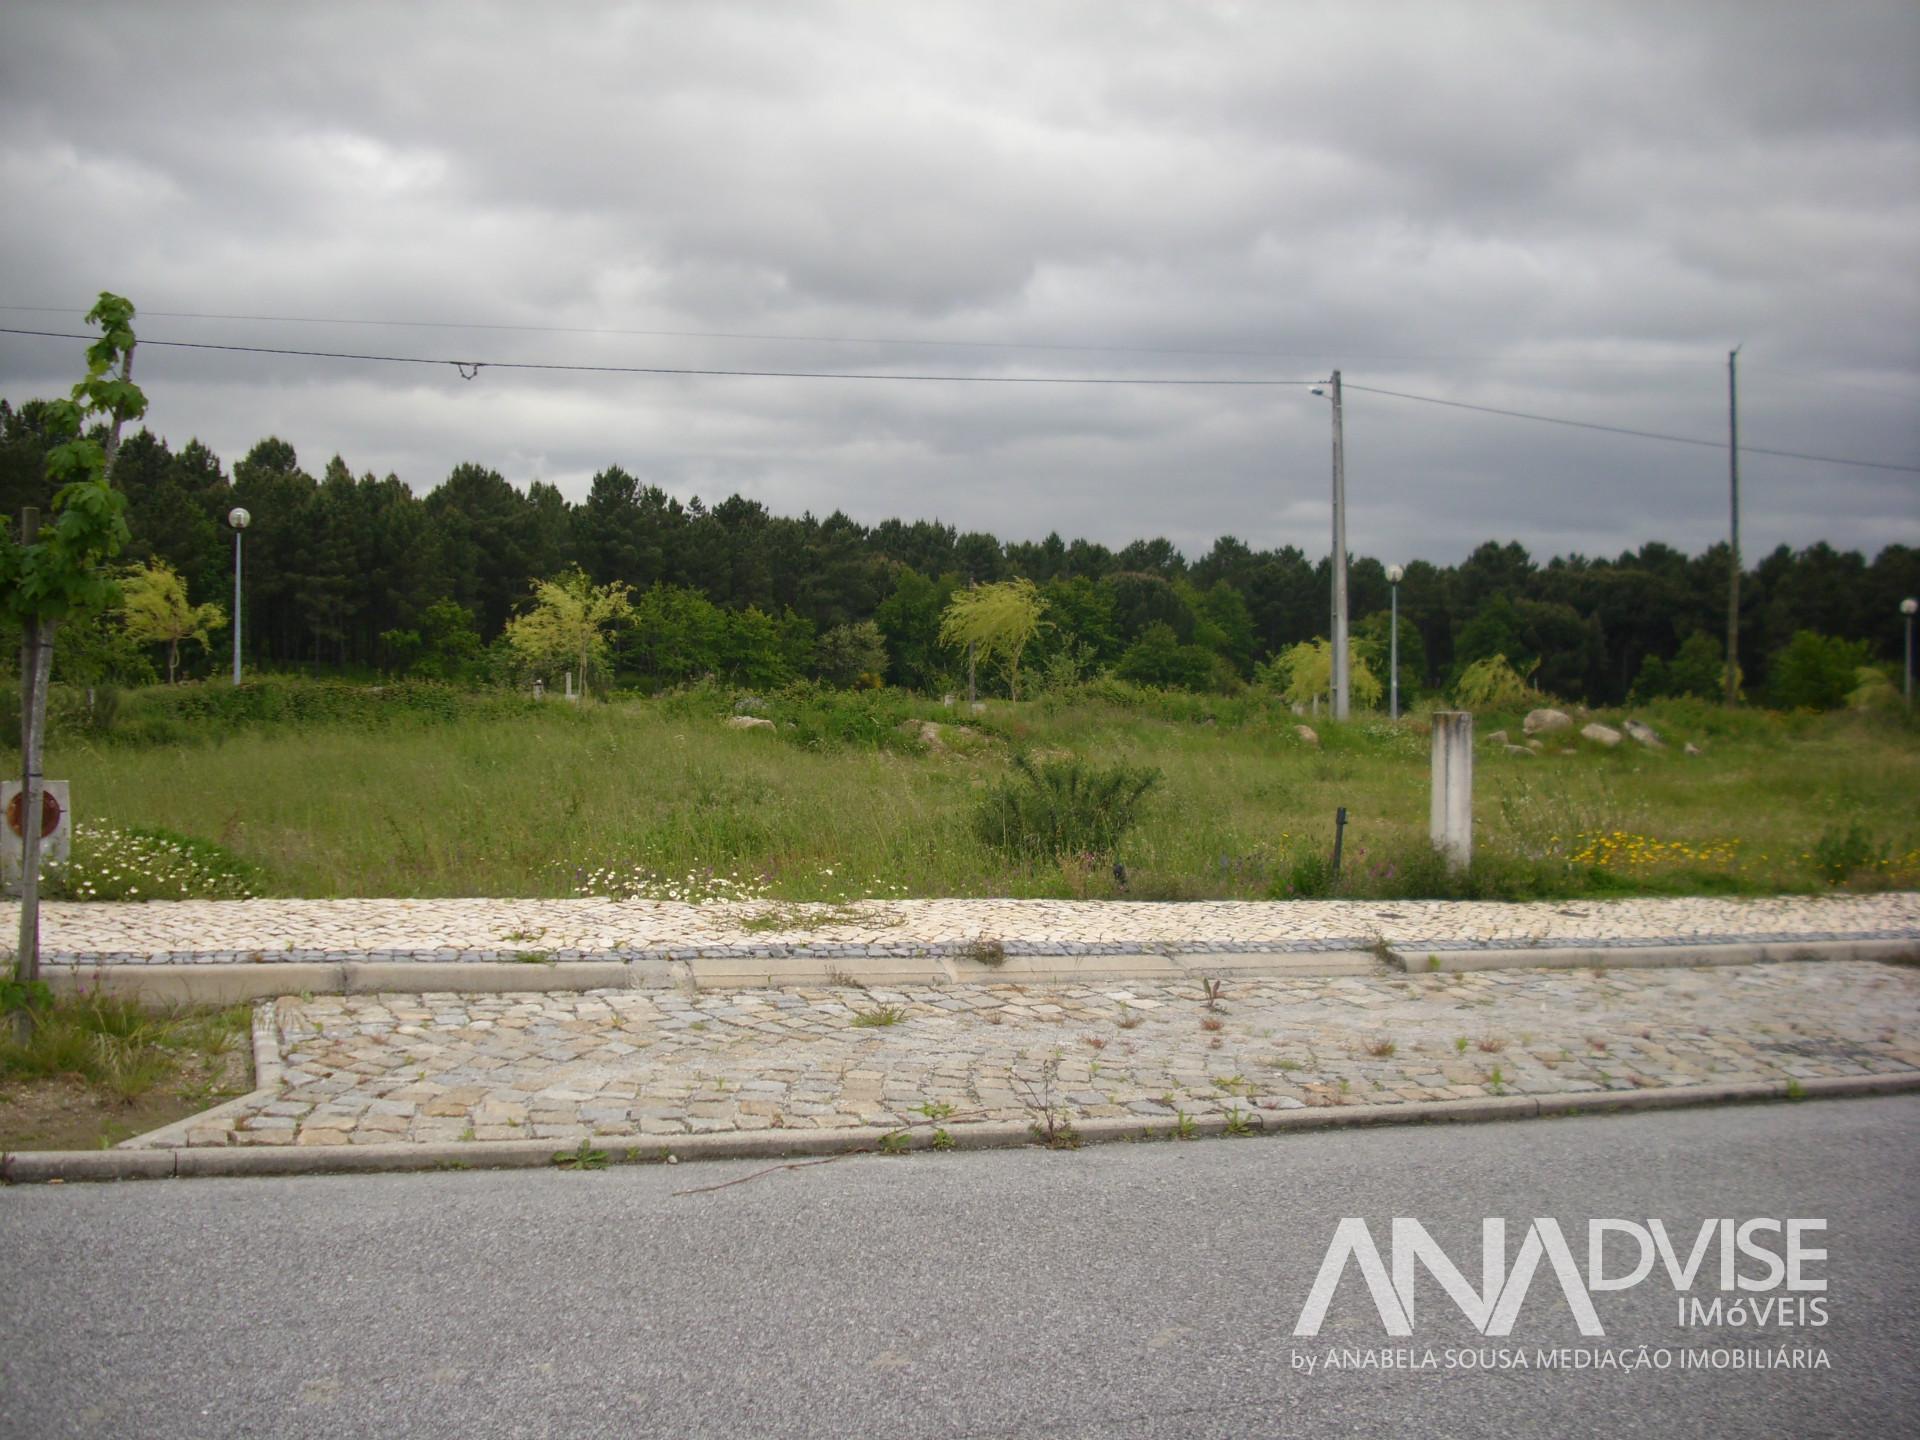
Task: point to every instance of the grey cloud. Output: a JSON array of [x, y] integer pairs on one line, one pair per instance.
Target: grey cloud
[[1572, 210]]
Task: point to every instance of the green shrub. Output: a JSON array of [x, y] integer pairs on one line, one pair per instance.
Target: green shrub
[[816, 717], [1838, 855], [1492, 684], [1815, 672], [1052, 808], [214, 709]]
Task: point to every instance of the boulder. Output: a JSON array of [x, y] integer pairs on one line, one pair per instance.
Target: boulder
[[1497, 737], [1307, 733], [748, 722], [1600, 734], [1643, 733], [1535, 746], [1545, 722], [1519, 750], [1693, 749]]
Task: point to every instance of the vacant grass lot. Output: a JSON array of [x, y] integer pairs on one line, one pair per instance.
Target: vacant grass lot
[[661, 798]]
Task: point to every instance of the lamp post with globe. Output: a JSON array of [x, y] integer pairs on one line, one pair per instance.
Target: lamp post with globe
[[238, 519], [1907, 608], [1395, 574]]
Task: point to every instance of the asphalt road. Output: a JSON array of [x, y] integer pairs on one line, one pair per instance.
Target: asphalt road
[[1147, 1290]]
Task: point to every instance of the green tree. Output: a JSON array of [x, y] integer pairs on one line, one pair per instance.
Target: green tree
[[998, 621], [60, 571], [850, 655], [1303, 673], [567, 627], [155, 609], [1815, 672]]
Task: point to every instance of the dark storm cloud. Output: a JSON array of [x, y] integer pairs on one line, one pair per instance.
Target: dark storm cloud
[[1572, 210]]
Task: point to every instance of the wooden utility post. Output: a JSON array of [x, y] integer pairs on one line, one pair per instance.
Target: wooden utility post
[[1733, 558]]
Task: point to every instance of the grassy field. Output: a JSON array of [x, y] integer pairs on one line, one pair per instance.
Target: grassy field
[[660, 798]]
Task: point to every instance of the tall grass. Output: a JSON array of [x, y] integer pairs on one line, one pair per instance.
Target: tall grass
[[535, 802]]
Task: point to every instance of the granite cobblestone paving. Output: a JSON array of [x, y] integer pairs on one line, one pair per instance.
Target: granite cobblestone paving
[[630, 1064], [432, 931]]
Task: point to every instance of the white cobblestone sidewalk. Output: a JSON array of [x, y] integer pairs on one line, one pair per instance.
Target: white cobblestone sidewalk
[[482, 930], [631, 1065]]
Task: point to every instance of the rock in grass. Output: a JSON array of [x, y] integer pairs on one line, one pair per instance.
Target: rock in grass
[[1600, 734], [1545, 722], [1307, 734], [1645, 734], [1497, 737], [1693, 749], [1519, 750], [748, 722]]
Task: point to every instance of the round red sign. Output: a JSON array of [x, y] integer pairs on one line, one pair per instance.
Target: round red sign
[[49, 813]]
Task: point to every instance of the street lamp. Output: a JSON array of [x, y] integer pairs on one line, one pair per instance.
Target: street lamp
[[238, 519], [1395, 574], [1340, 659], [1907, 608]]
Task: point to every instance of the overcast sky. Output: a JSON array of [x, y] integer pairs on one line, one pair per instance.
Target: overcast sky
[[1576, 210]]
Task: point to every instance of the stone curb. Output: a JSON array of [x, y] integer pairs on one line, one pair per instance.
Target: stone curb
[[44, 1166], [222, 984], [1619, 957]]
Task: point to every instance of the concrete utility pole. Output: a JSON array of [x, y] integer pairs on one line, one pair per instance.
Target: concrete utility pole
[[1733, 559], [1340, 657]]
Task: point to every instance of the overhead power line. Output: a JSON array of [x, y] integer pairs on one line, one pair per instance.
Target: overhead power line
[[920, 341], [468, 369], [1637, 434]]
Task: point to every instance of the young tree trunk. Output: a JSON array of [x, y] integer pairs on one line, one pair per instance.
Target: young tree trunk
[[173, 661], [36, 663]]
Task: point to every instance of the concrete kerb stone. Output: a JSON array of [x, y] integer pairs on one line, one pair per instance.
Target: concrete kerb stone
[[1417, 960], [731, 972], [464, 977], [211, 984], [30, 1167]]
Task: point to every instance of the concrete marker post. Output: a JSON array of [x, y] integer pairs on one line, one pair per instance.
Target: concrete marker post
[[1450, 815]]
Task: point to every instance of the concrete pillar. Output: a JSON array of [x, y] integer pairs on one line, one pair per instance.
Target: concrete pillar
[[1451, 816]]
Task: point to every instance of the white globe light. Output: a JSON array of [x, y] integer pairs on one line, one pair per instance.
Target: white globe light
[[1395, 574], [1909, 605], [238, 518]]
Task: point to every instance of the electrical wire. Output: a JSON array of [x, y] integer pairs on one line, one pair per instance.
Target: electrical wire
[[468, 369], [1627, 430], [920, 342]]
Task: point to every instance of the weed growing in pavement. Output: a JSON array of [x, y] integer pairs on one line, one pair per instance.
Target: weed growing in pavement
[[1212, 1022], [1460, 1044], [1129, 1019], [880, 1015], [1184, 1127], [1213, 992], [1239, 1122], [1381, 1049], [895, 1142], [987, 951], [941, 1140], [1052, 1126], [1490, 1044], [933, 1109], [585, 1157]]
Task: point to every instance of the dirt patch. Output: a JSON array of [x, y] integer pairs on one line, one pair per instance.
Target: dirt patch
[[67, 1114]]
